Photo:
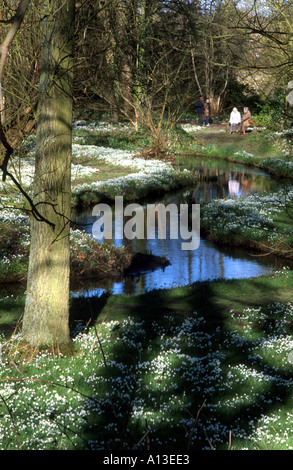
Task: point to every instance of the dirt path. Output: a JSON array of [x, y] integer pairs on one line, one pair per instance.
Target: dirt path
[[219, 134]]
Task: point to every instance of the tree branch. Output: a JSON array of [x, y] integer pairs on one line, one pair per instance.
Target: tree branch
[[15, 21]]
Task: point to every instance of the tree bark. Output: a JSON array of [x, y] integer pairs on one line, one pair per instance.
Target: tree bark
[[46, 316], [126, 35]]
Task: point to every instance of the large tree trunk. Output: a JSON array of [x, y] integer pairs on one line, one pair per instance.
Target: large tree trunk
[[46, 317]]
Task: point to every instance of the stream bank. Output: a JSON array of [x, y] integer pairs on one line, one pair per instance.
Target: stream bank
[[267, 151], [192, 180], [211, 260]]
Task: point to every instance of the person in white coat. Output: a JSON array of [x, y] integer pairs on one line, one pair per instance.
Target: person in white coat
[[235, 119]]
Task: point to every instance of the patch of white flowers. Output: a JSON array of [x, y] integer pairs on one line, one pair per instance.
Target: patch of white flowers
[[185, 366], [101, 126], [254, 213]]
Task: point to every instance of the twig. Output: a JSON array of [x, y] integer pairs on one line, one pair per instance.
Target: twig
[[105, 362], [230, 440], [12, 420], [196, 423], [140, 441]]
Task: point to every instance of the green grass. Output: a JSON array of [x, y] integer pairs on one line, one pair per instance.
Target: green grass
[[132, 189], [104, 171], [262, 144], [129, 139], [150, 363], [114, 139]]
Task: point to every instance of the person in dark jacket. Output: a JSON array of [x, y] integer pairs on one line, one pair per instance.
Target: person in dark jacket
[[199, 109], [207, 112]]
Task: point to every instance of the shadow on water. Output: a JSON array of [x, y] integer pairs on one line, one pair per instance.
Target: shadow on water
[[219, 179]]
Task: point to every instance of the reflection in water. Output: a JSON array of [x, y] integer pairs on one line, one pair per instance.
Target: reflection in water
[[240, 184], [234, 186], [208, 261], [219, 178]]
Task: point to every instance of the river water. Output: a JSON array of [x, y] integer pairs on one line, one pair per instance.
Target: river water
[[219, 179]]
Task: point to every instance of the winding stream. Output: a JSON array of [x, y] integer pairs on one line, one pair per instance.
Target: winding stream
[[220, 179]]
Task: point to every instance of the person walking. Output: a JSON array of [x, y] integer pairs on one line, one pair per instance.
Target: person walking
[[207, 112], [199, 109], [245, 120], [235, 120]]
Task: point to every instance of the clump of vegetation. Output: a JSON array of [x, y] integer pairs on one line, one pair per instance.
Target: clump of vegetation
[[133, 187], [271, 111], [14, 251], [89, 258], [262, 222]]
